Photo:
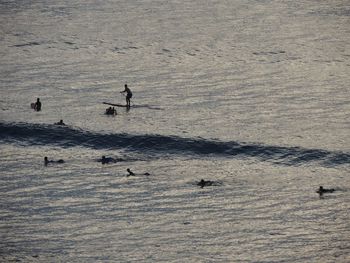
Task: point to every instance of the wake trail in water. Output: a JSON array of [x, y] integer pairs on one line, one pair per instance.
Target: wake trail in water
[[148, 144]]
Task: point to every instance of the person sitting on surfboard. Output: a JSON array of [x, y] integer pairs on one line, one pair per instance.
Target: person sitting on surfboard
[[111, 111], [37, 105], [128, 95], [130, 172]]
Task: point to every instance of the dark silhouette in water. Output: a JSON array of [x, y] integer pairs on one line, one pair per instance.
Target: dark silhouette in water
[[130, 172], [37, 105], [111, 111], [133, 174], [203, 183], [60, 123], [322, 190], [105, 160], [47, 161]]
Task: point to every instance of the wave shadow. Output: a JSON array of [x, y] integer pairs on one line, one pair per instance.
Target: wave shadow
[[148, 144]]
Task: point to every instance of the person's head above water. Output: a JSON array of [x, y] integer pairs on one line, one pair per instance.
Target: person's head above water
[[37, 99]]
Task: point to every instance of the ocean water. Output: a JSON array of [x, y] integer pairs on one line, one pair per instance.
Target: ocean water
[[253, 95]]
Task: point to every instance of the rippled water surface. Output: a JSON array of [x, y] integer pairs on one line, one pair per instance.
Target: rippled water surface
[[252, 95]]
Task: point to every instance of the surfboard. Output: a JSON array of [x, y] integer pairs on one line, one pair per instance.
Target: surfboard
[[150, 107], [32, 105], [116, 105]]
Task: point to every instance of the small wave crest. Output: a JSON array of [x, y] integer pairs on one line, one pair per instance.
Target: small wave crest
[[148, 144]]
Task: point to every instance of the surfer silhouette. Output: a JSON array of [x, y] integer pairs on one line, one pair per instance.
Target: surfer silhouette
[[47, 161], [60, 123], [130, 172], [203, 183], [105, 160], [111, 111], [37, 105], [322, 190], [128, 95]]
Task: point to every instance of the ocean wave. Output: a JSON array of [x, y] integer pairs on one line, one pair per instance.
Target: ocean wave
[[149, 144]]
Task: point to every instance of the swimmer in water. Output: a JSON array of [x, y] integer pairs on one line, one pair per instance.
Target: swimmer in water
[[47, 161], [105, 160], [203, 183], [322, 190], [60, 123]]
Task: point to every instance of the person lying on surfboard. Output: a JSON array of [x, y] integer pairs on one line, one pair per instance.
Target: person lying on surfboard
[[203, 183], [105, 160], [322, 190], [128, 95], [131, 173], [47, 161]]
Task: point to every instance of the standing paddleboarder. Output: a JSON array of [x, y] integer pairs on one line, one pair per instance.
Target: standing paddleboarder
[[128, 95]]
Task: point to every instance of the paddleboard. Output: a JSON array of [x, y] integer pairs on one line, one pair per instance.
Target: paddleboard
[[133, 106], [116, 105]]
